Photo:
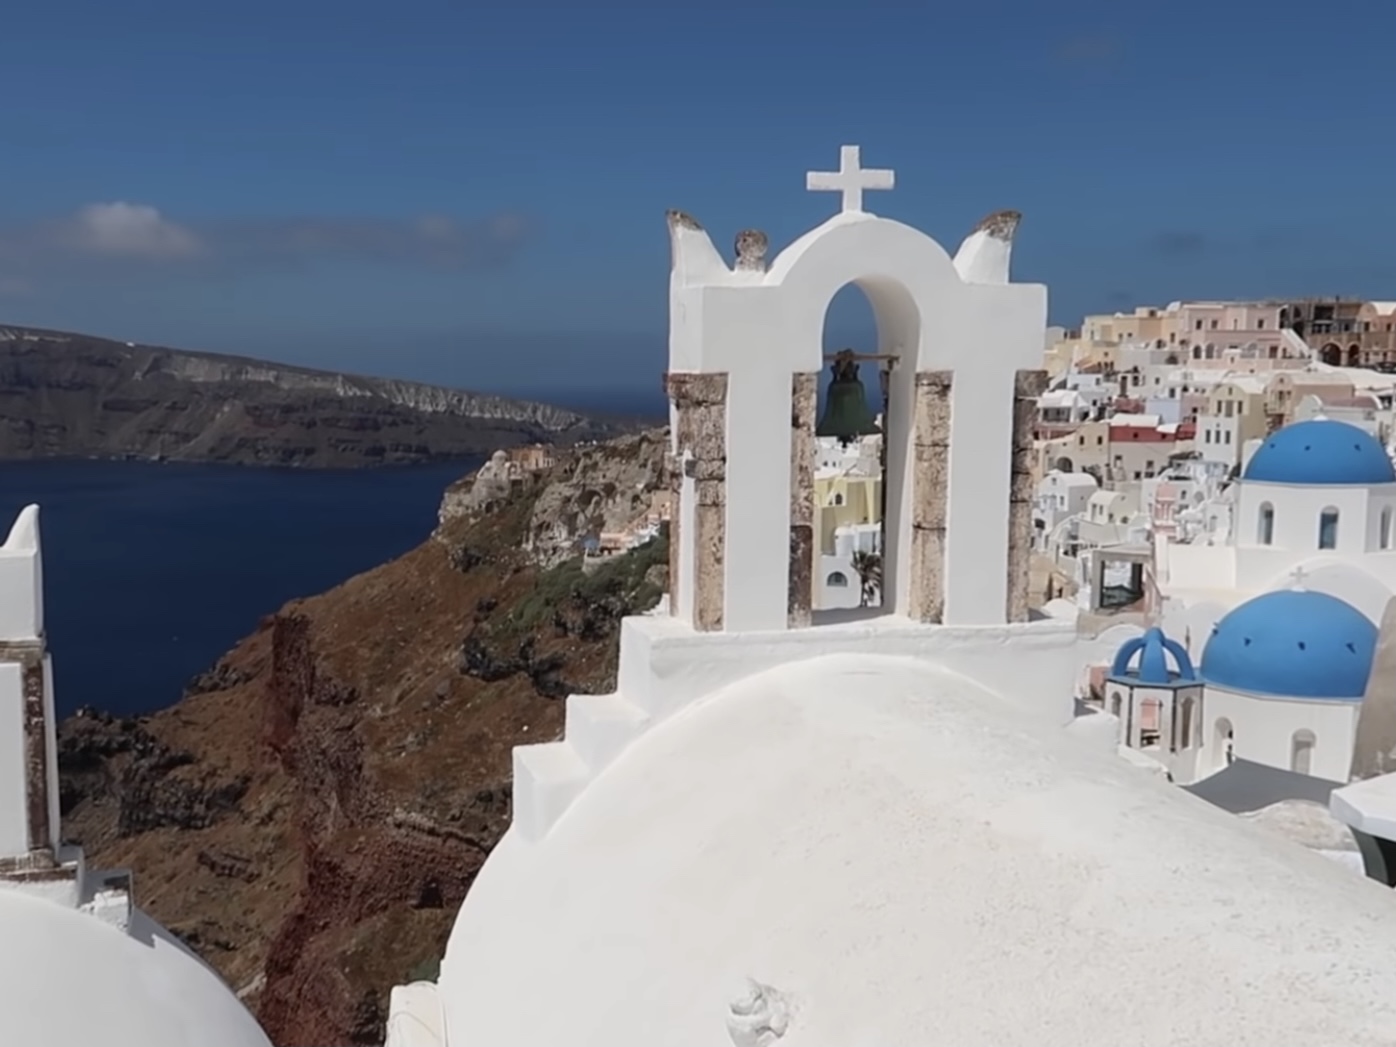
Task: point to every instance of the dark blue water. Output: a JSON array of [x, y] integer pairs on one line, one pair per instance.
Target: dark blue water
[[153, 571]]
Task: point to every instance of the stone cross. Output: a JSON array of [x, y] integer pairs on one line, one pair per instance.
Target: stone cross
[[850, 179], [1296, 578]]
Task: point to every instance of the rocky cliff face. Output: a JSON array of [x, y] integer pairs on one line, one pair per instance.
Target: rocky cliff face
[[69, 395], [310, 816]]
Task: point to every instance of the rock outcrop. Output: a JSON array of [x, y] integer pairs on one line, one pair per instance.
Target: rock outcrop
[[310, 816], [72, 395]]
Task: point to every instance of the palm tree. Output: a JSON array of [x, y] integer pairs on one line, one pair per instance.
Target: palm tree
[[869, 569]]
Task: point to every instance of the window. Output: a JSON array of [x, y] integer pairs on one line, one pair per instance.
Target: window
[[1197, 325], [1214, 325], [838, 499], [1182, 738], [1265, 532], [1260, 324], [1328, 529], [1384, 529], [1301, 751], [837, 580]]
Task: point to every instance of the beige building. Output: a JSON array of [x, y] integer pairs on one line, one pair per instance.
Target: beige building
[[1234, 413], [1284, 391]]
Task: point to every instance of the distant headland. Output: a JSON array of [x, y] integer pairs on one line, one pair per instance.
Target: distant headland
[[66, 395]]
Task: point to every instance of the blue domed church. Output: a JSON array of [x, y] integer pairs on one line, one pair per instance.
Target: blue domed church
[[1281, 683], [1315, 493]]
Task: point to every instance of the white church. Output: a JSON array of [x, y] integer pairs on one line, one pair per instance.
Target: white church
[[862, 827]]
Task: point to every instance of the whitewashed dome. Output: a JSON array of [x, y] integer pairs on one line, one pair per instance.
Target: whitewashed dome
[[904, 858], [69, 980]]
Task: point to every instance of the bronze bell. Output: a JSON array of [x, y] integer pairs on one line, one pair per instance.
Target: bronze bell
[[846, 414]]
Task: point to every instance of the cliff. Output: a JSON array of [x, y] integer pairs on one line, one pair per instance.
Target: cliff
[[73, 395], [310, 816]]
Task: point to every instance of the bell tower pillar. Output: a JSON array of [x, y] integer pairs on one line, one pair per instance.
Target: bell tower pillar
[[28, 743]]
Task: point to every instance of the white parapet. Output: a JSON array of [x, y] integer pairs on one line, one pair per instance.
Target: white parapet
[[21, 580], [414, 1017], [1368, 806]]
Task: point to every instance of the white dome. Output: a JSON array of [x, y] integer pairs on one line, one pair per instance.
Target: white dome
[[69, 980], [907, 859]]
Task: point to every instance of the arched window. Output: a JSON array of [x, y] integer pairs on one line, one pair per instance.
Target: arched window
[[1328, 528], [1116, 704], [1150, 722], [1301, 751], [838, 499], [1265, 531], [1384, 528], [1223, 743], [837, 580], [1183, 735]]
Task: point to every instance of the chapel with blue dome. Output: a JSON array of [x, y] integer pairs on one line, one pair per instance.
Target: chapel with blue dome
[[1320, 452], [1292, 643]]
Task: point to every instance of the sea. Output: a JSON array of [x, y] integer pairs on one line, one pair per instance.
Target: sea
[[153, 571]]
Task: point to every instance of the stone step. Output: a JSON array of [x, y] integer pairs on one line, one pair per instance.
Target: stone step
[[547, 778], [600, 726]]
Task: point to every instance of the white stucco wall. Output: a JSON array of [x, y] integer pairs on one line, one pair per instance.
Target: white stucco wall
[[1297, 511], [1264, 730]]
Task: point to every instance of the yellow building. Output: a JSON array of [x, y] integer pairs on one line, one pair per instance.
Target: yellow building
[[842, 499]]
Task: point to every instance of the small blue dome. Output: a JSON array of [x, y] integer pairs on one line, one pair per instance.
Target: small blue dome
[[1292, 644], [1152, 650], [1320, 452]]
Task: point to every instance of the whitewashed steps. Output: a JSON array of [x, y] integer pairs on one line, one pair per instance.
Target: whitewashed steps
[[600, 726], [548, 777]]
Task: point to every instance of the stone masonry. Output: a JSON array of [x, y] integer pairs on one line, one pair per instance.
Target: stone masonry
[[1027, 387], [804, 396], [700, 402], [929, 493]]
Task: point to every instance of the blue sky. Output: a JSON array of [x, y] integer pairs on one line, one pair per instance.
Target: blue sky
[[474, 194]]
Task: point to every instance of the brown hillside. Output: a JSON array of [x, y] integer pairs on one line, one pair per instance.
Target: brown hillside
[[311, 815]]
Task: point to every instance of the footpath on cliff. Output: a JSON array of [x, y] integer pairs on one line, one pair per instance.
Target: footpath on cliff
[[310, 815]]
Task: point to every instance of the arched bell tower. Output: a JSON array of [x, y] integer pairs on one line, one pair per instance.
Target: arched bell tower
[[745, 354]]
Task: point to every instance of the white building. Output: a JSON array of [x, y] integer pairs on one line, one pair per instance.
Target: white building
[[1060, 496], [79, 963], [787, 828]]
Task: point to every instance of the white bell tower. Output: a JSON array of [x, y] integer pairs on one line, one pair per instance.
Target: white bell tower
[[28, 742], [32, 856]]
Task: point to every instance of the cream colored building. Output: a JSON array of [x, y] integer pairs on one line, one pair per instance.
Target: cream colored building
[[1234, 413]]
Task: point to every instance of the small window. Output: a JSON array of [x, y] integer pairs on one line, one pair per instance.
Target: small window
[[1265, 532], [837, 580], [1384, 528], [1328, 529]]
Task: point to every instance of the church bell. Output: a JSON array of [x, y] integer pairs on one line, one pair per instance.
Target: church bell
[[846, 414]]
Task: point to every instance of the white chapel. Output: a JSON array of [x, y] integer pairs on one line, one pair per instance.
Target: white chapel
[[802, 828], [80, 965]]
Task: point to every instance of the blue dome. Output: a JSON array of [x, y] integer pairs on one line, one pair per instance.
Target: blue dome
[[1152, 651], [1292, 644], [1319, 452]]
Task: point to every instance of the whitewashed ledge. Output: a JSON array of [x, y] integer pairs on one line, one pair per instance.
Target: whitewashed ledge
[[1368, 808]]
